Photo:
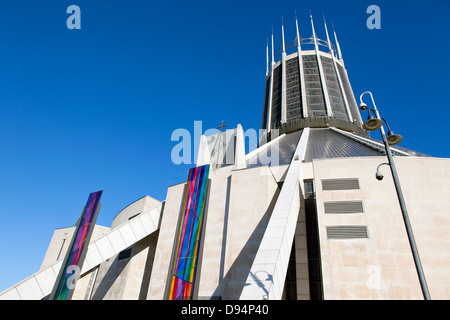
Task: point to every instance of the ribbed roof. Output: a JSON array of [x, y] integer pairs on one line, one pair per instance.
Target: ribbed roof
[[284, 148], [324, 143]]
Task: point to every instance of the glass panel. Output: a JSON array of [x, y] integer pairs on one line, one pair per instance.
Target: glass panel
[[314, 94], [293, 95], [276, 98], [334, 93]]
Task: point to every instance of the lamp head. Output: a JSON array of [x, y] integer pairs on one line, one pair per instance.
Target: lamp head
[[393, 139], [372, 123], [363, 106]]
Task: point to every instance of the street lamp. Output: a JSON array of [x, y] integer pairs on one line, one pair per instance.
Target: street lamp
[[377, 123]]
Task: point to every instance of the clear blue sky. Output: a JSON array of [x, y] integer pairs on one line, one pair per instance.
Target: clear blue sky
[[94, 109]]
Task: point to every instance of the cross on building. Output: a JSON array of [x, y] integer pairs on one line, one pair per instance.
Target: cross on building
[[218, 143]]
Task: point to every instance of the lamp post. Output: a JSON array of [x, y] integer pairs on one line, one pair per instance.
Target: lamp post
[[374, 124]]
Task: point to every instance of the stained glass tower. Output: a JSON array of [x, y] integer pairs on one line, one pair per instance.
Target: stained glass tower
[[307, 85]]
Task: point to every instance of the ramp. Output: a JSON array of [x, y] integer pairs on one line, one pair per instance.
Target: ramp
[[266, 278]]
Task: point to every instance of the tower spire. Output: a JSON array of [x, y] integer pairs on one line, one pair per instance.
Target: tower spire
[[283, 78], [282, 33], [267, 57], [329, 111], [337, 45], [341, 87], [273, 52], [298, 33], [302, 72], [313, 30], [328, 37]]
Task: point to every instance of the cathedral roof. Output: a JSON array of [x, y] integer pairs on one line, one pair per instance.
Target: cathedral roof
[[324, 143]]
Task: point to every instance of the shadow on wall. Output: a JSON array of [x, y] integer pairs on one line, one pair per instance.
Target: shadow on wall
[[112, 275], [153, 239], [112, 278], [260, 283], [237, 274]]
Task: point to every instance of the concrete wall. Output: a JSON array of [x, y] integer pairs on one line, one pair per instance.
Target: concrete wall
[[139, 206], [164, 247], [121, 279], [382, 267], [239, 204], [252, 198], [59, 244], [115, 279], [212, 253]]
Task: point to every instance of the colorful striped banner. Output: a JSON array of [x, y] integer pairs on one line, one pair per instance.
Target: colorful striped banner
[[186, 254], [73, 261]]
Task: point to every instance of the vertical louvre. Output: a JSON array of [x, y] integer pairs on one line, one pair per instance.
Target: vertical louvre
[[340, 184], [344, 207], [313, 243], [266, 103], [347, 232], [290, 284], [276, 97]]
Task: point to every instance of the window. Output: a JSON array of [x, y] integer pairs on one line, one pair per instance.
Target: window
[[276, 97], [293, 99], [313, 243], [134, 216], [315, 101], [291, 278], [125, 254], [334, 92]]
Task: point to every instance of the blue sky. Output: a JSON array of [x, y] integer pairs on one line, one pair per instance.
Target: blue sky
[[94, 109]]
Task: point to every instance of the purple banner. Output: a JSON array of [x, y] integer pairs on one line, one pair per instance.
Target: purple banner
[[75, 254]]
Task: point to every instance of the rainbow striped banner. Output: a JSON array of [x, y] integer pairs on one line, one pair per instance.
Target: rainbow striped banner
[[186, 254], [73, 262]]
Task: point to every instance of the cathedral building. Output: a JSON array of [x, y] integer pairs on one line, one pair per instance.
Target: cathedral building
[[310, 214]]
